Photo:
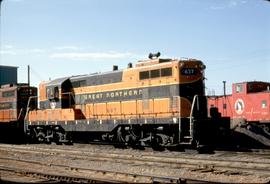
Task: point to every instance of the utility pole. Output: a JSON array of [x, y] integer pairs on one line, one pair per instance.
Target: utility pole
[[224, 100], [224, 88], [0, 30], [28, 74], [0, 5]]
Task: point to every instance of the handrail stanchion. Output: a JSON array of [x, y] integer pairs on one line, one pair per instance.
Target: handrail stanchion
[[179, 118], [27, 112]]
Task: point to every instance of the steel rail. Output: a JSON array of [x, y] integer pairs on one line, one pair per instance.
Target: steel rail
[[229, 167], [162, 161], [130, 177], [161, 155], [127, 158]]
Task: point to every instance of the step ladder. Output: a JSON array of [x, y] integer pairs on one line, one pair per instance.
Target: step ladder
[[188, 138]]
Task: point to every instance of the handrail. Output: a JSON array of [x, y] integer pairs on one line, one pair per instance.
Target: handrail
[[27, 111], [20, 114], [196, 97], [179, 119]]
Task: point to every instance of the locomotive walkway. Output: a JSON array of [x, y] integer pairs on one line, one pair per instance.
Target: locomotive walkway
[[92, 163]]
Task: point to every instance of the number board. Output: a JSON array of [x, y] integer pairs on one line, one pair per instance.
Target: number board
[[188, 71]]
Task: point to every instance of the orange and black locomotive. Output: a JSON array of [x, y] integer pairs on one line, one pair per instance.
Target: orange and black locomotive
[[157, 102], [13, 106]]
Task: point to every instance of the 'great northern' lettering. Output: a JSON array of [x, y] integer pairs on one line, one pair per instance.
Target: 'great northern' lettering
[[108, 96]]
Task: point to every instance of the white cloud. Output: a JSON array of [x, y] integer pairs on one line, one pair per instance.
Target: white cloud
[[8, 46], [8, 52], [67, 48], [15, 1], [67, 52], [36, 50], [91, 55], [227, 4]]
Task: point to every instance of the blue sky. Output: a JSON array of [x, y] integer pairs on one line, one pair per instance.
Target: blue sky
[[69, 37]]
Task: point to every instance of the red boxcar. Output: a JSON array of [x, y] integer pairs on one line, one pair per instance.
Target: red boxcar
[[248, 103]]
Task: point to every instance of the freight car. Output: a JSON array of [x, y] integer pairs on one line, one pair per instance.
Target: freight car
[[248, 107], [13, 104], [159, 102]]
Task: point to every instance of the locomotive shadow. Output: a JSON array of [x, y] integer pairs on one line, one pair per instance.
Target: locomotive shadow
[[239, 142]]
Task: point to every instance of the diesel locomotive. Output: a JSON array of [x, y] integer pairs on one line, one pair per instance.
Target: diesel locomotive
[[13, 103], [158, 102]]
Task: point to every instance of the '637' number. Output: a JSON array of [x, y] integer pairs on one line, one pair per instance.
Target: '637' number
[[188, 71]]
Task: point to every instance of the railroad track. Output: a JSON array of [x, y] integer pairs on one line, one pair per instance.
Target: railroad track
[[100, 176], [203, 164], [210, 163]]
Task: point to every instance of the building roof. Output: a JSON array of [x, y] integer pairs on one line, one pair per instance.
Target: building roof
[[5, 66]]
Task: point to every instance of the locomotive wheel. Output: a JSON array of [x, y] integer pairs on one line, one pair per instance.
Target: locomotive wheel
[[68, 139], [204, 149], [49, 136], [266, 129], [40, 134], [59, 136], [157, 147], [158, 142], [41, 137], [120, 135], [124, 136]]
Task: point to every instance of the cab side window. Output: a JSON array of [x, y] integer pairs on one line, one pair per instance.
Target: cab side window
[[239, 88], [144, 75], [264, 104], [166, 72], [53, 92], [56, 92], [154, 73], [163, 72]]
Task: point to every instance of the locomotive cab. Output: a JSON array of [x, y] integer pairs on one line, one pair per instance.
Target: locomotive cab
[[56, 94]]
